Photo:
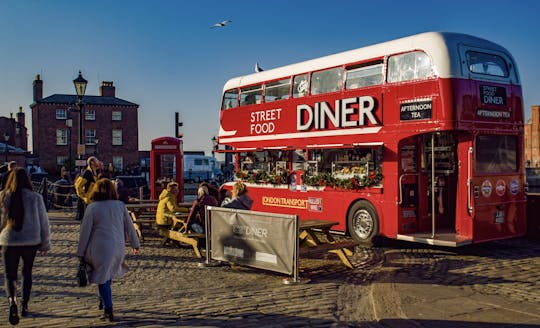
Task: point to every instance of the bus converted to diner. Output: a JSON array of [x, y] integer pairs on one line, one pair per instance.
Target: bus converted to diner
[[418, 139]]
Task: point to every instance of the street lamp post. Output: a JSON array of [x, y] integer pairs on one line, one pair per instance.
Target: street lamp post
[[80, 87], [69, 124], [214, 145], [6, 150]]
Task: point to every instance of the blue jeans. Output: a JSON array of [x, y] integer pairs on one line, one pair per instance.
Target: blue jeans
[[105, 294]]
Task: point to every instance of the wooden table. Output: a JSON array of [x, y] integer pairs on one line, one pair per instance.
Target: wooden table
[[308, 237], [307, 231]]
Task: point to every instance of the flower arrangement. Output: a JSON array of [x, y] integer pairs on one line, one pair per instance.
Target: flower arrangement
[[263, 177], [324, 179], [356, 182]]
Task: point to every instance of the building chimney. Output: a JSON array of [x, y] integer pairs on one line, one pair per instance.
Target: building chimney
[[38, 88], [20, 118], [107, 89]]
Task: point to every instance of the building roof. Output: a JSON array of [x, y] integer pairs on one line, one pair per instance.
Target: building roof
[[88, 100], [4, 147]]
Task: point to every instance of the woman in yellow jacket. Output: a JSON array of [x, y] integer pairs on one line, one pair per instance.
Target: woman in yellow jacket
[[168, 205]]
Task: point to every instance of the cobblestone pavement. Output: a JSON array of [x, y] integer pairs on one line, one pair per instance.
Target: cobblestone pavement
[[396, 285]]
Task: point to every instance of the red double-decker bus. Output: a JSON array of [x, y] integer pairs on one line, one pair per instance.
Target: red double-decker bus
[[418, 139]]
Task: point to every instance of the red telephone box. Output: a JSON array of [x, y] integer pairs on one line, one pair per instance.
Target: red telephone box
[[166, 165]]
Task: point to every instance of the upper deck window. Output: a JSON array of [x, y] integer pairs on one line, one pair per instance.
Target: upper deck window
[[230, 99], [277, 90], [363, 75], [300, 85], [329, 80], [251, 95], [409, 66], [487, 64]]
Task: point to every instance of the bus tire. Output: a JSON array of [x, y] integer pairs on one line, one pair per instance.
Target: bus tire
[[363, 222]]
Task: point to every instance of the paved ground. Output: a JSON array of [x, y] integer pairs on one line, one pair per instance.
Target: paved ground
[[397, 285]]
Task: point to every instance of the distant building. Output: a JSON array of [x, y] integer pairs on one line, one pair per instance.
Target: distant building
[[110, 128], [532, 138], [14, 138]]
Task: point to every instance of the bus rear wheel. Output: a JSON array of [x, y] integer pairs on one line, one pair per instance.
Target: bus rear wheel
[[363, 222]]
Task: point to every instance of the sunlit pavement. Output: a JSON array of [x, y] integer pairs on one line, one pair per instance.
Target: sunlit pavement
[[395, 285]]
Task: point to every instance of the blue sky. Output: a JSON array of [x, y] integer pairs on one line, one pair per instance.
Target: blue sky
[[162, 55]]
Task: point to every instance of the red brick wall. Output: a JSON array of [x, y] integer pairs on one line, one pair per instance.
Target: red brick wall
[[532, 137], [44, 124]]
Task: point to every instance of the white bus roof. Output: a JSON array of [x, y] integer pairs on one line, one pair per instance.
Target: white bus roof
[[438, 45]]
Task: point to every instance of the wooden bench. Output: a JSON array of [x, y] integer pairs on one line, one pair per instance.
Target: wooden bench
[[179, 232], [141, 221], [343, 250]]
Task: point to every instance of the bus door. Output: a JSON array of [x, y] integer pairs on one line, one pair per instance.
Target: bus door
[[408, 186], [439, 176]]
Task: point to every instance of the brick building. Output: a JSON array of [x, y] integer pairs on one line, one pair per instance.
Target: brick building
[[532, 138], [110, 128], [14, 138]]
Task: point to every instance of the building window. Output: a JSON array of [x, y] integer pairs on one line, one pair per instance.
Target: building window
[[90, 137], [61, 114], [61, 137], [117, 137], [61, 160], [116, 115], [118, 163], [90, 115]]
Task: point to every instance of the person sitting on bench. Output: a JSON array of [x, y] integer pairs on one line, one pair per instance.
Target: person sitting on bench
[[196, 215], [168, 205]]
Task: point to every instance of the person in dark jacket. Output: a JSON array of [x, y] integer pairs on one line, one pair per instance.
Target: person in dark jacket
[[240, 199], [196, 215]]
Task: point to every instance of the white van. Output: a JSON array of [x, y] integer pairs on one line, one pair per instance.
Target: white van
[[198, 168]]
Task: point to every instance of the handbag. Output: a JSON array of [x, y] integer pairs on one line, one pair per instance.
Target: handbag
[[82, 274]]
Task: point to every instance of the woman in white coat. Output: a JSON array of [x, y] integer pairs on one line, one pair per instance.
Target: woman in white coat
[[24, 231], [105, 224]]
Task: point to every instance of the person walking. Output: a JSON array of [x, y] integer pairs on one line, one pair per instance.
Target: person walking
[[9, 167], [24, 231], [102, 240], [84, 182]]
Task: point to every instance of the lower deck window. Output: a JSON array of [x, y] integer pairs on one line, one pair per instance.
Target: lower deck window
[[346, 168], [496, 154]]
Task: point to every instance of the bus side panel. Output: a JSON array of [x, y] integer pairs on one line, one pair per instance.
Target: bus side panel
[[499, 210], [328, 204]]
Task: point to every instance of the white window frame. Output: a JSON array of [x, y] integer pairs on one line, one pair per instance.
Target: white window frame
[[90, 115], [61, 160], [117, 137], [61, 114], [61, 137], [118, 163], [90, 137], [116, 115]]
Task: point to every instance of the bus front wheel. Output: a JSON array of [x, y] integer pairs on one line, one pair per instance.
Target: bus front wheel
[[363, 222]]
